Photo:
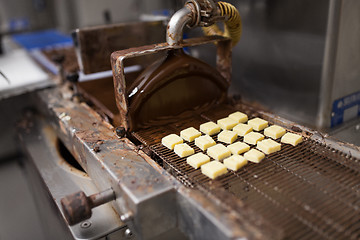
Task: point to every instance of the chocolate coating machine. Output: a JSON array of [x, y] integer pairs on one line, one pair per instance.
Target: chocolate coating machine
[[307, 191]]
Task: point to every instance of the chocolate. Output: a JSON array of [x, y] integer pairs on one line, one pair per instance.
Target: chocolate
[[175, 85], [69, 62]]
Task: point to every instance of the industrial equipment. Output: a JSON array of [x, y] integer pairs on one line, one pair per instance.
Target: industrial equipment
[[123, 183]]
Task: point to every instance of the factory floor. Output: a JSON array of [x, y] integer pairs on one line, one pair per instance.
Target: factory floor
[[18, 215]]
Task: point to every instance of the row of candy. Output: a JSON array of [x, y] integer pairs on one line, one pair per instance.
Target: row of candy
[[232, 126]]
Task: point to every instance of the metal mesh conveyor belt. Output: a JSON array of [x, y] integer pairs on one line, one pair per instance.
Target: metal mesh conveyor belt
[[309, 191]]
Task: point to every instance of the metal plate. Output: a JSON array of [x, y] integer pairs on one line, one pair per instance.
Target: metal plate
[[94, 45]]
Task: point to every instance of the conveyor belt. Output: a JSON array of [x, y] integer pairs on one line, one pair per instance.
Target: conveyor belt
[[310, 191]]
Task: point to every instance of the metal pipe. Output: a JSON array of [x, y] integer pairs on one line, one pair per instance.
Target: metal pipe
[[102, 197], [175, 28], [323, 118]]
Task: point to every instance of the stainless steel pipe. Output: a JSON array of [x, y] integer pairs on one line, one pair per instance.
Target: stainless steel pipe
[[176, 26]]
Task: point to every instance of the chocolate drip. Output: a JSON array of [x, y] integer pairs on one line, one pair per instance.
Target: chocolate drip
[[175, 85]]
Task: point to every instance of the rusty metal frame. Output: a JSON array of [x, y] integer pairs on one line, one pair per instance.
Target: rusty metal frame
[[223, 65], [148, 199]]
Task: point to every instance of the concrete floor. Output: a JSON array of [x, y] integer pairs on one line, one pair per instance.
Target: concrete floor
[[18, 215]]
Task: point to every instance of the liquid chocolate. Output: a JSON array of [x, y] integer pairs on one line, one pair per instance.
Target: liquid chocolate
[[175, 85]]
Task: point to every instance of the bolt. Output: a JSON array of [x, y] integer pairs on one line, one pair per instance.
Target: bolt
[[73, 77], [120, 131], [128, 233], [96, 149], [126, 217], [85, 224]]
